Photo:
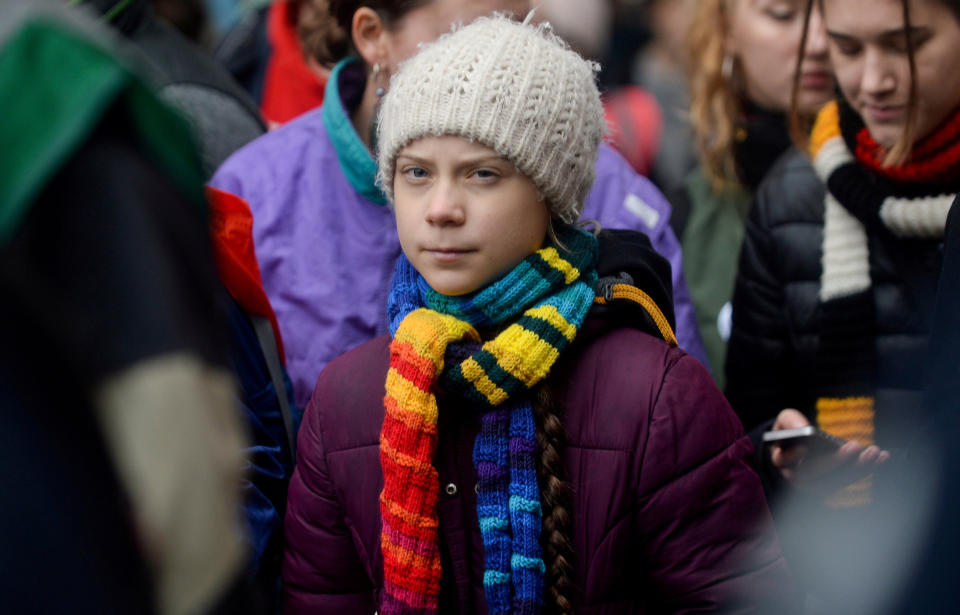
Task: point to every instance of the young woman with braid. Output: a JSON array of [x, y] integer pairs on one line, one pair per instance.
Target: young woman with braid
[[528, 438]]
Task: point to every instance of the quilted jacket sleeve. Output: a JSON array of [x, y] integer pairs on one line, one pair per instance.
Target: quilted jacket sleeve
[[322, 572], [707, 539]]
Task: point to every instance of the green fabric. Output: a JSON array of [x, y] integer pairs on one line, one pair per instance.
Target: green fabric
[[55, 86], [355, 159], [711, 248]]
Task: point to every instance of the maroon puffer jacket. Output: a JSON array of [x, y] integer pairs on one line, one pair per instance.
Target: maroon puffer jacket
[[668, 515]]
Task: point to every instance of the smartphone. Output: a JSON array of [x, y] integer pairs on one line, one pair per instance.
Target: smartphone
[[808, 436]]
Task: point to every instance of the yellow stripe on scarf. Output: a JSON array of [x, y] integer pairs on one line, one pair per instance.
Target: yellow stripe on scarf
[[521, 353], [524, 354], [826, 127], [550, 314], [474, 374], [430, 332], [850, 418], [412, 398], [553, 258]]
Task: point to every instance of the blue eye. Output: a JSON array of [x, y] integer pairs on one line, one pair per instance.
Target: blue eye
[[485, 174], [415, 172]]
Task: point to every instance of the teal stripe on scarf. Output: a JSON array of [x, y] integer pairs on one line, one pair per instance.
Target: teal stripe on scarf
[[505, 298], [544, 330], [498, 302]]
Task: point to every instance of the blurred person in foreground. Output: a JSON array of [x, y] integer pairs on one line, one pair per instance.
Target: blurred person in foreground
[[122, 449], [189, 17], [325, 239], [931, 587], [221, 114], [222, 119]]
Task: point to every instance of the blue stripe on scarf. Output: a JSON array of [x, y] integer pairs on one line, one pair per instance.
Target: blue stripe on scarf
[[526, 562]]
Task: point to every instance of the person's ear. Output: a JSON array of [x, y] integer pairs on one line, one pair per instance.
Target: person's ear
[[369, 36]]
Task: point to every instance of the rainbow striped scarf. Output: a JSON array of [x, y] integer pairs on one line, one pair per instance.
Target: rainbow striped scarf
[[545, 298]]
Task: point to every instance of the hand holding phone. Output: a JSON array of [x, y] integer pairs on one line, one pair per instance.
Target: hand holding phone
[[785, 458], [808, 456], [814, 440]]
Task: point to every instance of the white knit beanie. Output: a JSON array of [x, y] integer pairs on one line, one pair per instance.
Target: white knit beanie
[[516, 88]]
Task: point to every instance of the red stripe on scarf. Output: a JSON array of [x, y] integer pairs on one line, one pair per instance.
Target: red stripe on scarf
[[418, 476], [408, 542], [421, 374], [425, 534], [934, 159], [413, 578], [403, 435]]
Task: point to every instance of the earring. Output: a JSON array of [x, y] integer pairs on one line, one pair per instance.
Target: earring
[[376, 77], [726, 67]]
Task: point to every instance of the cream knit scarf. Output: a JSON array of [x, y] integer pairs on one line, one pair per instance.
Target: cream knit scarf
[[856, 208]]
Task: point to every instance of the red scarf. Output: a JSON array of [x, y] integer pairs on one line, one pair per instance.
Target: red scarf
[[932, 160]]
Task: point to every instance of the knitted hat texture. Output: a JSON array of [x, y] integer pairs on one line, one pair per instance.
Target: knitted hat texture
[[514, 87]]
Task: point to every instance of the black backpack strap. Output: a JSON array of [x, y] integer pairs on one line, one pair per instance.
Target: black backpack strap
[[268, 344]]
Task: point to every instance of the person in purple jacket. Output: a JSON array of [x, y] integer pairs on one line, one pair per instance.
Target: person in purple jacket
[[528, 438], [325, 239]]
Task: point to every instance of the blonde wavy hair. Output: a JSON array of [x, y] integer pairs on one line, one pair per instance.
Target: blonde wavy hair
[[714, 101]]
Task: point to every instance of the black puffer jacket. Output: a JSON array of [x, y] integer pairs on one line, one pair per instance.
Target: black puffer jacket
[[776, 313]]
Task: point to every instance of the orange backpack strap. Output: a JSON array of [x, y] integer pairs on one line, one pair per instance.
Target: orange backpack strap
[[621, 288]]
